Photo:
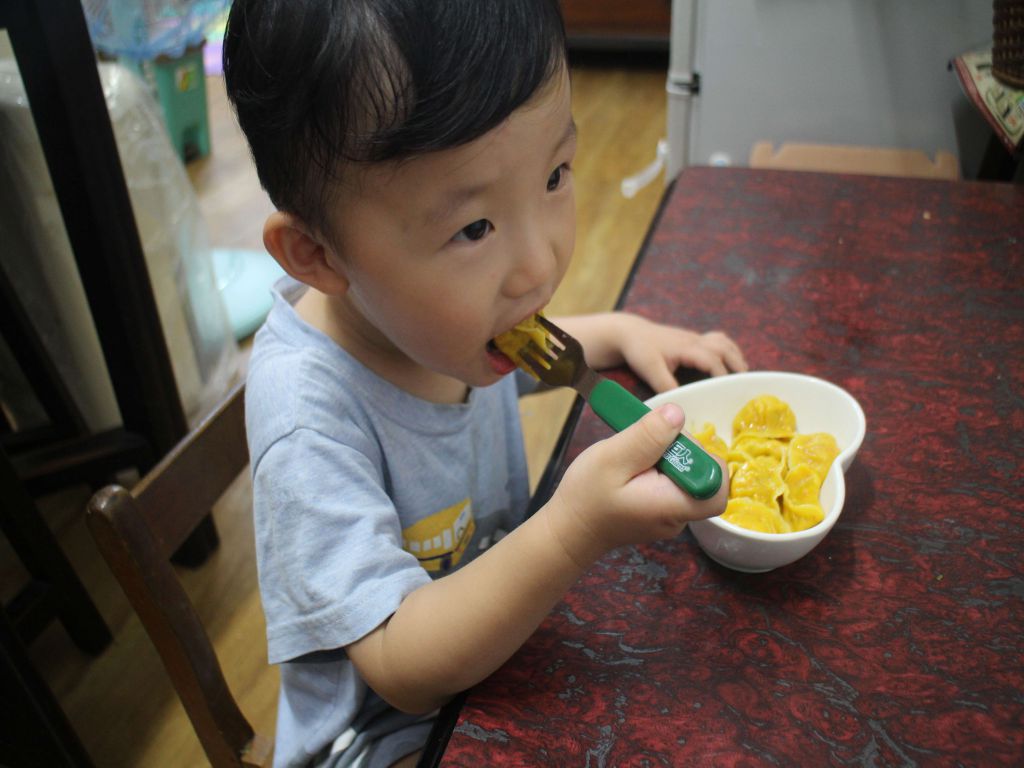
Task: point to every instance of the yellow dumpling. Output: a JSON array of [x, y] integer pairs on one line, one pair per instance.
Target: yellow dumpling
[[775, 474], [755, 516], [760, 447], [800, 506], [759, 480], [734, 460], [513, 341], [800, 517], [817, 450], [803, 484], [711, 442], [765, 416]]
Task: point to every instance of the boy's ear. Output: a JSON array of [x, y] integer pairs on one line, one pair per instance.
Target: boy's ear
[[301, 254]]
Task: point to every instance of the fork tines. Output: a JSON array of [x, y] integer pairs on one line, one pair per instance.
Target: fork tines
[[553, 330], [539, 358], [569, 351], [559, 361]]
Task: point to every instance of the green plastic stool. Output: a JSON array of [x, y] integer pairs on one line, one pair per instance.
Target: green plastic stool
[[180, 85]]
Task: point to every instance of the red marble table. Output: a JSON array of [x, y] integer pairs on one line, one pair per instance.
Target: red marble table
[[900, 639]]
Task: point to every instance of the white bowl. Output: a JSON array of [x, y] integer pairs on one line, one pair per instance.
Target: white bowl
[[819, 406]]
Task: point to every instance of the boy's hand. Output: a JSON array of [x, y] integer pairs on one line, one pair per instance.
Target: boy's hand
[[611, 495], [655, 351]]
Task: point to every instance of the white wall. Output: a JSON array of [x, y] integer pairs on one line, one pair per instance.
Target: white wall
[[868, 72]]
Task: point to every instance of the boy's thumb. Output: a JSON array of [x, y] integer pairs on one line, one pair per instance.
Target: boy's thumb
[[644, 442]]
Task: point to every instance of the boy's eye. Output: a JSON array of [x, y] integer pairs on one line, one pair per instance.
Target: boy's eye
[[556, 177], [475, 231]]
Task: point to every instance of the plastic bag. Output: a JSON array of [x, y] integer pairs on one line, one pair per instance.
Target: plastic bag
[[146, 29], [39, 262]]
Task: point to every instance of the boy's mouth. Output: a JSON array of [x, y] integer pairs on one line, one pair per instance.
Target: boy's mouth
[[500, 362], [504, 350]]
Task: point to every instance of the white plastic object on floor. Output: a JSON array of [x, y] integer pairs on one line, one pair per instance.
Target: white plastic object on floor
[[633, 184]]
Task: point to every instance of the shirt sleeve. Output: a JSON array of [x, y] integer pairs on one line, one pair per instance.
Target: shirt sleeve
[[329, 545]]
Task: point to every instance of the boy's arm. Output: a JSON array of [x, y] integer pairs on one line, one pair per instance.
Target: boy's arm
[[451, 633], [654, 351]]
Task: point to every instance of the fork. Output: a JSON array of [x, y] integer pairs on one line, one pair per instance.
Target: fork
[[687, 464]]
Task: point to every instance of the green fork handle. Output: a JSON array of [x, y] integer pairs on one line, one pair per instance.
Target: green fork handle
[[685, 462]]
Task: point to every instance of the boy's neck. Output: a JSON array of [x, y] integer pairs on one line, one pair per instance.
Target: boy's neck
[[338, 320]]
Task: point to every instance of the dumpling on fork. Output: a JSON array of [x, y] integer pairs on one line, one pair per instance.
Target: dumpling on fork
[[511, 343]]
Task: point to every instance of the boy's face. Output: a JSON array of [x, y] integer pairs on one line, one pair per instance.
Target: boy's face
[[445, 251]]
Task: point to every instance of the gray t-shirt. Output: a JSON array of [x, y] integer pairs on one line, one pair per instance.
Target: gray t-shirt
[[362, 493]]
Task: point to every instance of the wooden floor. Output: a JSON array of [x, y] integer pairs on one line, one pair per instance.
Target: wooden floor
[[120, 703]]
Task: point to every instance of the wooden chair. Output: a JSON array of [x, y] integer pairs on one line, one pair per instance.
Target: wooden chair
[[138, 530]]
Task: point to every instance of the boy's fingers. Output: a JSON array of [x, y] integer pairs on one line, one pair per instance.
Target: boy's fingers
[[727, 350], [736, 360], [653, 369], [642, 444], [661, 379]]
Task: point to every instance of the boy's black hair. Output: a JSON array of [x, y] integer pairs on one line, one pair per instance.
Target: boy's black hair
[[320, 83]]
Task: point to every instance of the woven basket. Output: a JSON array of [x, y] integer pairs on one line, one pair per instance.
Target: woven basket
[[1008, 42]]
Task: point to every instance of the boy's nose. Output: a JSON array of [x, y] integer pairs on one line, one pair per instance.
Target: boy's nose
[[534, 265]]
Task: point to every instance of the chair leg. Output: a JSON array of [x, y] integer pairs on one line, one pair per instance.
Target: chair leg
[[46, 563], [33, 728], [199, 545]]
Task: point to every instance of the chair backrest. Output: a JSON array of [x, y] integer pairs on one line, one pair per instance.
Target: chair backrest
[[137, 531]]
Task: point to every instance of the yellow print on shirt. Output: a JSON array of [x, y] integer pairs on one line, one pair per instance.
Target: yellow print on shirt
[[438, 541]]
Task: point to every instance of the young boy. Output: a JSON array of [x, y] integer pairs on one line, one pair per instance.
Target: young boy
[[419, 153]]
